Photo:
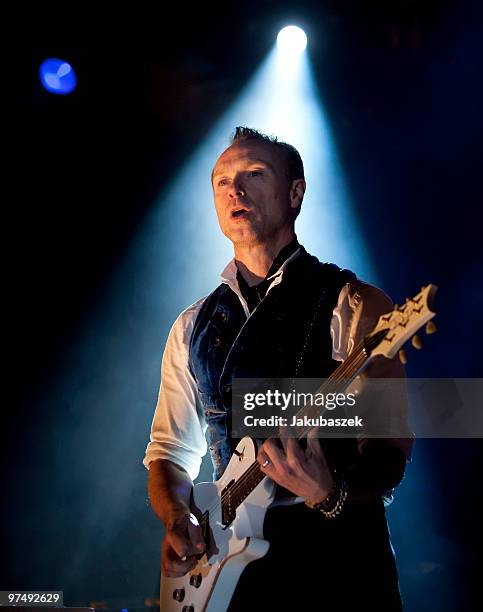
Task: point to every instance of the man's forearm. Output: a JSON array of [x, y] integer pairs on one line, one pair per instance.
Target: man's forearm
[[169, 489]]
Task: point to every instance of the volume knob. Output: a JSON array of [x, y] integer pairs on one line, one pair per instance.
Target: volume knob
[[195, 580], [178, 594]]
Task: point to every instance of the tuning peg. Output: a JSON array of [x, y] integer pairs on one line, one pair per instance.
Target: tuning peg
[[430, 328], [416, 342], [402, 357]]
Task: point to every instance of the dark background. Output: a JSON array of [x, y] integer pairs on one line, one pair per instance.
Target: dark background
[[402, 85]]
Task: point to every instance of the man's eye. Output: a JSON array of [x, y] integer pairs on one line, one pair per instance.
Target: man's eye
[[222, 182], [255, 173]]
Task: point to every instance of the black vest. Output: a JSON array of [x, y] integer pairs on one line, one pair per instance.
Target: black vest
[[287, 335]]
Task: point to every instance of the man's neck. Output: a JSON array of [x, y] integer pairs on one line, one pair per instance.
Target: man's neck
[[254, 261]]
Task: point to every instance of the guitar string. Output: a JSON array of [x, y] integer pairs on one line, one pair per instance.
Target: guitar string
[[255, 466], [254, 469], [358, 357], [355, 360]]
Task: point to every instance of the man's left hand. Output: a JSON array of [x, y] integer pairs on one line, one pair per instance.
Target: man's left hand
[[304, 473]]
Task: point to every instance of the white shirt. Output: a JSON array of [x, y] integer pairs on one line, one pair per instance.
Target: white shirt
[[178, 427]]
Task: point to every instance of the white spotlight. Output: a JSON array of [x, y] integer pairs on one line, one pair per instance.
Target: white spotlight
[[292, 40]]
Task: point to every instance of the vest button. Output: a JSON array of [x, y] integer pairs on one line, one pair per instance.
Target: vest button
[[224, 317], [216, 341], [226, 389]]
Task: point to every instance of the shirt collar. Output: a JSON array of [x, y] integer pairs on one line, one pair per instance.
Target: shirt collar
[[229, 274]]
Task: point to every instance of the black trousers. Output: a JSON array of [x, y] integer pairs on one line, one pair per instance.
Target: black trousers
[[315, 563]]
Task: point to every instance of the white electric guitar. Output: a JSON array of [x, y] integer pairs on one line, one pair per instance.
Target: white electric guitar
[[233, 508]]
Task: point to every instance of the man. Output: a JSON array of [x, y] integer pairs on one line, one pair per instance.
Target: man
[[279, 313]]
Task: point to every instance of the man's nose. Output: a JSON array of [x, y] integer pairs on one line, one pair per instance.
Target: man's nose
[[236, 189]]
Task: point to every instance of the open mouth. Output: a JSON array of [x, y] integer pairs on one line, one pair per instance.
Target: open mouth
[[239, 212]]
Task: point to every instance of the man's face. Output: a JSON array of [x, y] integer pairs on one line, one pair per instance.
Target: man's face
[[252, 193]]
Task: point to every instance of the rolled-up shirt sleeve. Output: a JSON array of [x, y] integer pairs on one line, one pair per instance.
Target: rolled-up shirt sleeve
[[356, 314], [178, 427]]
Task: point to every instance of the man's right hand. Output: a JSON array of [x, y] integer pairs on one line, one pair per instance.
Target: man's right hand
[[183, 540]]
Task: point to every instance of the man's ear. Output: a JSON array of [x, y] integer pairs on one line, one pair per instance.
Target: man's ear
[[297, 193]]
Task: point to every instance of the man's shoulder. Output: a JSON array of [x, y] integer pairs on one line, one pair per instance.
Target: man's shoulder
[[357, 286], [351, 288], [359, 291], [309, 261], [184, 323], [326, 273], [193, 309]]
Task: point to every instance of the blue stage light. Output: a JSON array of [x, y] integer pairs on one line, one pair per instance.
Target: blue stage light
[[292, 40], [57, 76]]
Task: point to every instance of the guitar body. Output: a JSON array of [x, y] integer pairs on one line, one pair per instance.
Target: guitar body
[[210, 585]]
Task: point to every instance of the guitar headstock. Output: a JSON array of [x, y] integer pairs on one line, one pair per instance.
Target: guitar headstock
[[396, 327]]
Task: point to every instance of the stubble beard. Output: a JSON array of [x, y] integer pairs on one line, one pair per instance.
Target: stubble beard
[[243, 239]]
